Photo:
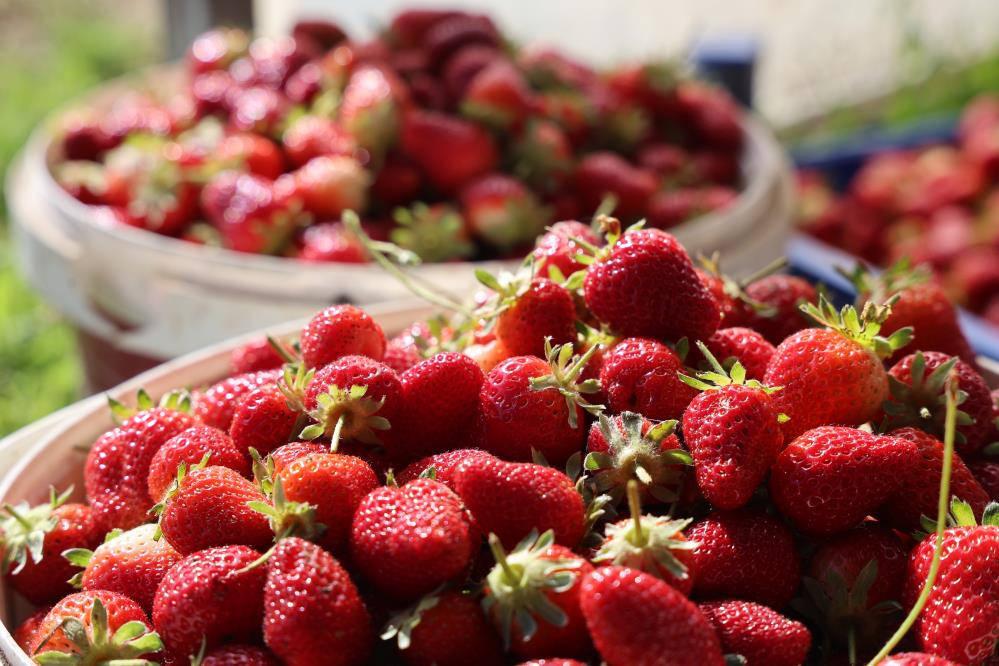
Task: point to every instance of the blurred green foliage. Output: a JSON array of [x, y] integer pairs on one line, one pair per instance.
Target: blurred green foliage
[[50, 51]]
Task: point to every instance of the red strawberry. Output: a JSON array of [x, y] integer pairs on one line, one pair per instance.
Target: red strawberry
[[781, 297], [960, 619], [712, 113], [83, 628], [283, 456], [409, 27], [762, 636], [266, 418], [440, 400], [498, 95], [642, 375], [847, 472], [603, 174], [532, 597], [543, 158], [210, 507], [397, 182], [445, 466], [744, 554], [917, 398], [445, 629], [216, 406], [402, 352], [211, 596], [190, 447], [451, 34], [741, 344], [511, 499], [920, 487], [312, 136], [915, 659], [254, 356], [216, 49], [529, 312], [987, 474], [131, 563], [253, 214], [552, 662], [450, 151], [313, 613], [330, 185], [257, 109], [637, 620], [318, 34], [843, 381], [26, 634], [501, 211], [669, 208], [257, 154], [370, 108], [340, 330], [239, 655], [643, 284], [732, 430], [409, 540], [331, 241], [33, 540], [558, 248], [93, 183]]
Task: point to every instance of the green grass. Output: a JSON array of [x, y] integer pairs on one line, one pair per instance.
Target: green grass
[[55, 51]]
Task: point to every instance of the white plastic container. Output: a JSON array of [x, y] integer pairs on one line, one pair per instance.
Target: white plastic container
[[138, 298]]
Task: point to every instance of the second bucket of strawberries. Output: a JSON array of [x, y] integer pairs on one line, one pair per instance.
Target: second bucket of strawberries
[[612, 451]]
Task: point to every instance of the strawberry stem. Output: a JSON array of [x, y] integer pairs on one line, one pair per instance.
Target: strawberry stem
[[635, 506], [943, 501], [500, 555], [337, 429]]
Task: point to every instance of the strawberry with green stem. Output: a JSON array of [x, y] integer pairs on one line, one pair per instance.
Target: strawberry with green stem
[[190, 447], [96, 628], [731, 293], [272, 415]]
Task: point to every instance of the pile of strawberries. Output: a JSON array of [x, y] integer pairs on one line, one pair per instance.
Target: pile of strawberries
[[441, 133], [631, 461], [938, 206]]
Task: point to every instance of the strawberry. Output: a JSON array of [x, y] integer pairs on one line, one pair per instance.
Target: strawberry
[[440, 400], [257, 109], [530, 311], [762, 636], [653, 544], [960, 618], [987, 474], [669, 208], [212, 596], [215, 406], [252, 214], [403, 351], [95, 627], [283, 456], [532, 597], [209, 507], [637, 620], [190, 446], [510, 499], [713, 114], [117, 469], [847, 472], [844, 381], [450, 151], [444, 466], [744, 554], [33, 540], [340, 330], [552, 662], [318, 34], [527, 405], [643, 284], [257, 154], [329, 185], [130, 563], [781, 297], [268, 417], [641, 375], [254, 356], [406, 541], [313, 614], [310, 137], [26, 634], [602, 174], [216, 49], [733, 432], [409, 27], [445, 629], [917, 398], [451, 34], [371, 107], [435, 233], [558, 247], [238, 655], [331, 241], [543, 156], [920, 487], [915, 659], [498, 95], [501, 211], [397, 182], [93, 183], [744, 345]]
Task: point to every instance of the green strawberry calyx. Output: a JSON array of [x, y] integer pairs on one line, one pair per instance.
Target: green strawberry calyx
[[961, 514], [718, 377], [129, 643], [80, 557], [183, 469], [881, 287], [736, 289], [519, 583], [923, 402], [288, 518], [401, 625], [565, 370], [23, 529], [863, 327], [435, 234], [647, 543], [346, 414], [179, 401]]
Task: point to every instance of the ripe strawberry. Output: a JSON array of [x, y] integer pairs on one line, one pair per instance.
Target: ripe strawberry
[[95, 627], [602, 174], [744, 554], [445, 629], [26, 634], [558, 248], [732, 430], [642, 375], [451, 152], [253, 152], [254, 356], [33, 540], [215, 406], [329, 185], [440, 401], [538, 580], [712, 114], [737, 343], [653, 544], [340, 330], [445, 466], [212, 596], [987, 474], [239, 655], [921, 485], [498, 95], [915, 659], [501, 211], [130, 563], [283, 456], [643, 284], [542, 156], [403, 351], [528, 312], [397, 182], [93, 183], [669, 208], [117, 469], [407, 541], [371, 107], [552, 662], [313, 136], [209, 507], [216, 49], [917, 398], [960, 619], [331, 241], [761, 635], [257, 109], [844, 381], [409, 27], [191, 446], [636, 620], [451, 34], [511, 499], [268, 417], [313, 613], [781, 297], [252, 214]]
